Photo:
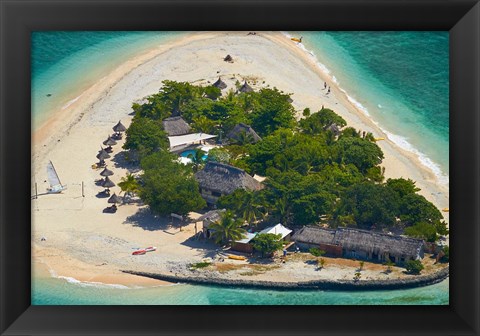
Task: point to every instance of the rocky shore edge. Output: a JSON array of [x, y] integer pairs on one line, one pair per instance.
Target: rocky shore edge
[[415, 281]]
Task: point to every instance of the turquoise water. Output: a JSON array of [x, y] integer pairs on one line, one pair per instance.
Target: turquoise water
[[55, 291], [399, 78], [191, 152], [64, 64]]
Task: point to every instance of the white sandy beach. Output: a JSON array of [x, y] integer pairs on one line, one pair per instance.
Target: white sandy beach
[[86, 244]]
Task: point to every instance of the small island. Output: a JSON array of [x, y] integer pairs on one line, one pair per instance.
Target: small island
[[243, 176]]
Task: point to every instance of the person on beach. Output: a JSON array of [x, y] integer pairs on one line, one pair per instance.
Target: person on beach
[[324, 85]]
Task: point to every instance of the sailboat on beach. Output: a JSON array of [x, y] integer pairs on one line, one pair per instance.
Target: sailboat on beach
[[55, 185]]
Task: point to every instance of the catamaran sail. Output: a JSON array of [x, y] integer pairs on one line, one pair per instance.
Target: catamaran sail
[[55, 184]]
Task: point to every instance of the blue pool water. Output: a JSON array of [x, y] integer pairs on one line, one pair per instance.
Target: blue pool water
[[191, 152]]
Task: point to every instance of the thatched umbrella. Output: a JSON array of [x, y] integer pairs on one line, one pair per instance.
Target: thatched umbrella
[[246, 88], [102, 155], [107, 184], [119, 127], [228, 58], [220, 84], [114, 199], [106, 172], [109, 142]]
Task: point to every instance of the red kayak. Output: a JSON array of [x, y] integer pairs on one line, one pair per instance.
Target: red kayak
[[139, 252], [150, 249]]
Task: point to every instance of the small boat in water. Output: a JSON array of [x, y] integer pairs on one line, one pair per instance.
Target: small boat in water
[[150, 249], [139, 252]]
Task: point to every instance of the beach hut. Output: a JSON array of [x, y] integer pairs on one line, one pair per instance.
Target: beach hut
[[279, 229], [361, 244], [220, 84], [249, 134], [175, 126], [217, 179], [106, 172], [228, 58], [334, 129], [289, 99], [245, 244], [312, 236], [208, 218], [245, 88]]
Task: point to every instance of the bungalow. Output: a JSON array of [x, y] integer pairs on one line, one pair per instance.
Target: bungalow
[[360, 244], [217, 179], [208, 218], [279, 229], [244, 244], [175, 126], [236, 133]]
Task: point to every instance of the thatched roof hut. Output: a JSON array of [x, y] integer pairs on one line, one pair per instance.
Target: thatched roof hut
[[378, 243], [106, 172], [119, 127], [225, 179], [315, 235], [374, 245], [211, 216], [245, 88], [176, 126], [228, 58], [220, 84], [235, 133], [334, 129]]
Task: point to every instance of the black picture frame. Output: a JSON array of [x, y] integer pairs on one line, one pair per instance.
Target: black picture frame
[[19, 18]]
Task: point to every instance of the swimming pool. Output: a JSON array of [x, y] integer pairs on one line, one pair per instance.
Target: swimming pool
[[188, 152]]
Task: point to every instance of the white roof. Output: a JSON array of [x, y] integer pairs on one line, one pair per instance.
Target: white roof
[[277, 229], [248, 236], [188, 139]]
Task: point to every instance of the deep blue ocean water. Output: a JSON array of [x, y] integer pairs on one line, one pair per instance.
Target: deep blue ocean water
[[400, 79]]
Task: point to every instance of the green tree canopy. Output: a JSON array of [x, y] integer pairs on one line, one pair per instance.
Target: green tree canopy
[[360, 152], [422, 230], [317, 122], [371, 205], [415, 209], [402, 187], [169, 186], [145, 136], [271, 111], [267, 243]]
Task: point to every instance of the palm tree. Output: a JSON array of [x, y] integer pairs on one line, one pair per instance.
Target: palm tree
[[197, 158], [252, 207], [227, 229], [129, 185]]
